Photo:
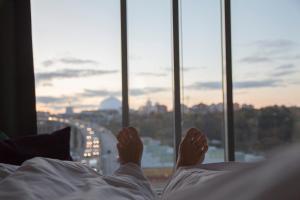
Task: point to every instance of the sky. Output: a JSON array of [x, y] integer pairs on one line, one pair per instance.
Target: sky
[[77, 52]]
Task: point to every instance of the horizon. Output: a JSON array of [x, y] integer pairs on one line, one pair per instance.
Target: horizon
[[240, 106]]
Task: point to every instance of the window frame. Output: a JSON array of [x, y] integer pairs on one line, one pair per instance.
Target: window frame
[[227, 74]]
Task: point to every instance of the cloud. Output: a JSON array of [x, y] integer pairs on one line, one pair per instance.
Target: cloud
[[48, 63], [268, 50], [62, 100], [51, 99], [256, 84], [70, 60], [75, 106], [58, 103], [151, 74], [214, 85], [210, 85], [275, 44], [286, 67], [78, 61], [255, 59], [289, 57], [146, 91], [70, 73], [99, 93], [283, 73], [184, 68], [132, 92], [84, 106], [284, 70], [295, 82]]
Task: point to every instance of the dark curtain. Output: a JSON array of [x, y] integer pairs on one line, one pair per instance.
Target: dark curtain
[[17, 90]]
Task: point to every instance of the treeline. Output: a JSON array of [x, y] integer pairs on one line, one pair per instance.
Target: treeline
[[256, 130], [260, 130]]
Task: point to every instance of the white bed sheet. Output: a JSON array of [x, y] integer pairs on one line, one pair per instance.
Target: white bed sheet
[[6, 169], [277, 178], [50, 179], [42, 179]]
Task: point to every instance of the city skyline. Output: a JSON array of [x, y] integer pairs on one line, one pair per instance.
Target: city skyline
[[155, 107]]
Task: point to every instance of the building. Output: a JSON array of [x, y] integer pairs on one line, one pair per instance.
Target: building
[[69, 110], [110, 103], [149, 108]]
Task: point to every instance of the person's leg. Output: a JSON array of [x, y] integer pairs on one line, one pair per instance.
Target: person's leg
[[192, 148], [276, 178], [130, 176], [192, 151]]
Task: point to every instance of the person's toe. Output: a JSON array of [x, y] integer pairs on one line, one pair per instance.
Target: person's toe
[[192, 132], [190, 136], [123, 137], [133, 131]]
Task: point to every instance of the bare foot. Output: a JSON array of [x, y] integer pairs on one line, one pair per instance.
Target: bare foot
[[192, 148], [130, 146]]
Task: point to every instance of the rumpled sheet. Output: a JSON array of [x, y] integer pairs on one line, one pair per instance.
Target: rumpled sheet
[[47, 179], [276, 178], [42, 178]]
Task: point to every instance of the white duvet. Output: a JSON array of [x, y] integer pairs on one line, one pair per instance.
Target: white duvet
[[41, 178], [277, 178]]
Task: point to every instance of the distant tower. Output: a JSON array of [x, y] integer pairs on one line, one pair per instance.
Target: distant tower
[[69, 110], [149, 103]]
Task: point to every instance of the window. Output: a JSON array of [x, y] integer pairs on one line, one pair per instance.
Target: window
[[266, 60], [150, 84], [77, 57], [202, 95]]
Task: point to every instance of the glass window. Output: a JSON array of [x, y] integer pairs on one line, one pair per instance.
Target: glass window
[[77, 62], [78, 75], [266, 61], [150, 83], [202, 97]]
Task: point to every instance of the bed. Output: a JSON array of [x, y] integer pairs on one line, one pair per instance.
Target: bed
[[278, 177]]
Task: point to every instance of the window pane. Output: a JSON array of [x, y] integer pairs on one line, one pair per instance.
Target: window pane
[[150, 83], [266, 58], [77, 71], [202, 72]]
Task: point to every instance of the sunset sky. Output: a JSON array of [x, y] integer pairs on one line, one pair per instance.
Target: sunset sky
[[77, 52]]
